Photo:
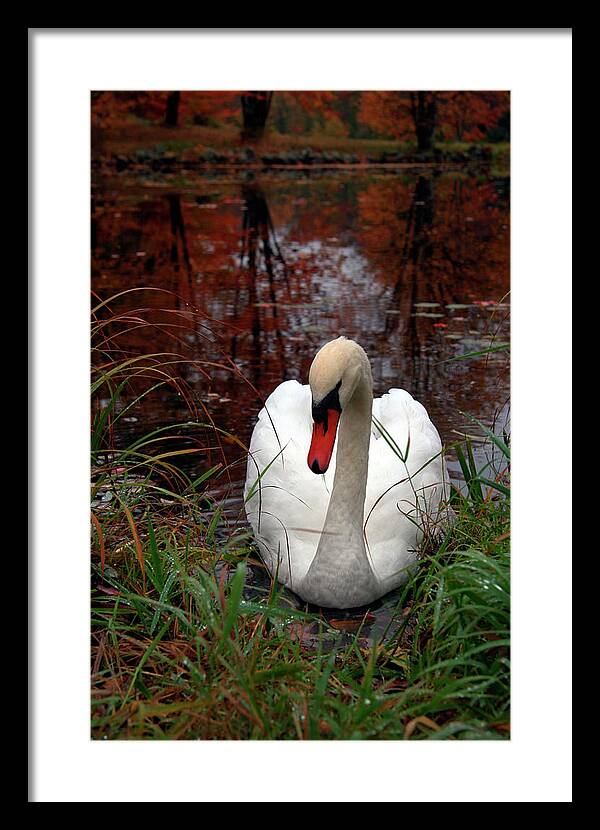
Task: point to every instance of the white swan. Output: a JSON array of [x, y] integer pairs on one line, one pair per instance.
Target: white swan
[[341, 529]]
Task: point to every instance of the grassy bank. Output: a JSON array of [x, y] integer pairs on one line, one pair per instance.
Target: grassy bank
[[138, 134], [181, 650], [139, 142]]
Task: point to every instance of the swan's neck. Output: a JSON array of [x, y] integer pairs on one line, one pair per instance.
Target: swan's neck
[[340, 573], [352, 464]]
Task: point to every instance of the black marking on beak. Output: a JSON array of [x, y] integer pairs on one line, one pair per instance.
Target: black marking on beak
[[330, 401]]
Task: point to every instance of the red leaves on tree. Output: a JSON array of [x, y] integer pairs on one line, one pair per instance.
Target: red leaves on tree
[[459, 116]]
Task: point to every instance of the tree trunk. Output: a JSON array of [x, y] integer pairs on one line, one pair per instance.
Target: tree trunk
[[172, 111], [255, 109], [424, 110]]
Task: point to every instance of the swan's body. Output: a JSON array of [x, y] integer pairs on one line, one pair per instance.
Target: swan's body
[[346, 537]]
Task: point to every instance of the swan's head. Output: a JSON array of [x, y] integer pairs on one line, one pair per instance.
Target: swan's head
[[333, 378]]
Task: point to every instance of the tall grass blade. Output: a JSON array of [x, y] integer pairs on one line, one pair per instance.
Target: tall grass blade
[[234, 599], [159, 578], [495, 439], [500, 347]]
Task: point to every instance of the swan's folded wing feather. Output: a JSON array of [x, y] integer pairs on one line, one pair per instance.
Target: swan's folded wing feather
[[406, 484], [405, 424]]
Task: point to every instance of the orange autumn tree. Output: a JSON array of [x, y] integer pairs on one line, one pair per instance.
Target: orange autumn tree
[[246, 109], [207, 107], [296, 107], [115, 108], [324, 113], [402, 115], [465, 116]]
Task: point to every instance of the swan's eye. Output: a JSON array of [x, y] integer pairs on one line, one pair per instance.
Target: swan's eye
[[330, 401]]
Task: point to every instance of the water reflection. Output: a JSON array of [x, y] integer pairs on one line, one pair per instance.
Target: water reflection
[[413, 265], [178, 233], [259, 241]]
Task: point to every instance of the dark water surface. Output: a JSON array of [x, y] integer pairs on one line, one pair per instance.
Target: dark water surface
[[413, 264]]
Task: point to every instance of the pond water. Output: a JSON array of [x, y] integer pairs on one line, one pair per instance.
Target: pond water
[[412, 263], [256, 271]]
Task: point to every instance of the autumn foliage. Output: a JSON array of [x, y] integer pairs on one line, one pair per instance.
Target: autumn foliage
[[117, 108], [420, 117], [460, 116]]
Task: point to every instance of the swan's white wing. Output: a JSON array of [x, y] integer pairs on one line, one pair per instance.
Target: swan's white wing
[[286, 503], [401, 493]]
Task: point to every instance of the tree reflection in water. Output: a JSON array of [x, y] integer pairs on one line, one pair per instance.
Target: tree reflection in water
[[259, 252], [289, 262]]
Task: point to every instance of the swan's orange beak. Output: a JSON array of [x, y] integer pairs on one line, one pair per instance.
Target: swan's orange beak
[[323, 439]]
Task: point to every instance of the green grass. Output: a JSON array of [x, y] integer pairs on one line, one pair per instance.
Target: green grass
[[143, 135], [188, 141], [181, 651]]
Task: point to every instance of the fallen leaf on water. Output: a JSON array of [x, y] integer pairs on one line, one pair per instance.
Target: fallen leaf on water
[[303, 632], [412, 725], [106, 589], [503, 727], [296, 630], [346, 625]]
